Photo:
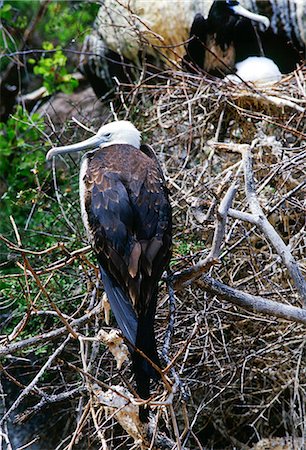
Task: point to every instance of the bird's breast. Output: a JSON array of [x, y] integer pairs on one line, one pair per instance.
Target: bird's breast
[[217, 58]]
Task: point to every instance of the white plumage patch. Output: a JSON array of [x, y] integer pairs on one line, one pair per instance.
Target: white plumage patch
[[256, 69], [82, 189]]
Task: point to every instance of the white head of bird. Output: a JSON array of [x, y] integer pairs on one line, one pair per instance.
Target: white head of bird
[[120, 132]]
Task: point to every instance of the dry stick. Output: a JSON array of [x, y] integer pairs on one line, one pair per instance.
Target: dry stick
[[96, 381], [167, 341], [24, 321], [221, 221], [247, 217], [98, 428], [285, 197], [20, 345], [57, 194], [175, 428], [252, 302], [59, 245], [4, 435], [257, 217], [79, 427], [53, 266], [277, 101], [33, 383], [185, 277], [48, 399], [169, 330], [183, 348], [262, 222], [45, 292]]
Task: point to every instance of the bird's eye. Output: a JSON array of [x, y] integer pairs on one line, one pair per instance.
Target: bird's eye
[[108, 135], [232, 2]]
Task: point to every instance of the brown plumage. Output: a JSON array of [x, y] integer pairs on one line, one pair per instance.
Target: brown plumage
[[130, 220], [127, 215], [128, 209]]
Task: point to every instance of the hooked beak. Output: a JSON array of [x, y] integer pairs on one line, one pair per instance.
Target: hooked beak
[[240, 11], [92, 142]]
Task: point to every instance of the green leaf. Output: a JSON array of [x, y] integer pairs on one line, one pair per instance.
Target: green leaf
[[47, 46], [6, 7]]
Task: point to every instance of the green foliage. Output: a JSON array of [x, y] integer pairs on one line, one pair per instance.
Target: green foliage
[[14, 297], [26, 181], [19, 140], [22, 165], [15, 17], [63, 24], [69, 20], [186, 247], [6, 12], [54, 72], [63, 21]]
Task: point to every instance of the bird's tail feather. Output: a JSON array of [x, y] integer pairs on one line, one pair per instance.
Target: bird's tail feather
[[143, 369], [121, 307], [140, 332]]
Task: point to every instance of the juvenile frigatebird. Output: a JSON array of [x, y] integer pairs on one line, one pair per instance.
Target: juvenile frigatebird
[[127, 217]]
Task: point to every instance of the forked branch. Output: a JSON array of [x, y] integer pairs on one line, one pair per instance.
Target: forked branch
[[267, 229]]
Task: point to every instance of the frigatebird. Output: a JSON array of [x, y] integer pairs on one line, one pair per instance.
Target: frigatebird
[[225, 37], [127, 216]]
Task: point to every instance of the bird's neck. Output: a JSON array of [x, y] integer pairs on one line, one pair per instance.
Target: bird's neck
[[133, 142]]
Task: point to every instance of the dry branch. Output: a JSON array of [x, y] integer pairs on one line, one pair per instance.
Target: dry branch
[[10, 349], [268, 230], [34, 382], [252, 302]]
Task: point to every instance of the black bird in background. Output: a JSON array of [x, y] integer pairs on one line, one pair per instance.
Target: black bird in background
[[127, 216], [231, 32]]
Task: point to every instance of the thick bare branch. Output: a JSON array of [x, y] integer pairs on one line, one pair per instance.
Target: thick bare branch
[[262, 222], [252, 302]]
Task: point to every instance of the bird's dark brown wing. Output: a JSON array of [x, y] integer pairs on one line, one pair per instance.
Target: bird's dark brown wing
[[195, 50], [129, 220]]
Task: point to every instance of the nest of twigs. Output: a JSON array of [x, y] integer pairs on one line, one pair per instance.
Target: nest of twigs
[[234, 159], [243, 369]]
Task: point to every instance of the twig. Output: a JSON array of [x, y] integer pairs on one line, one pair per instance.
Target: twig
[[33, 383], [170, 326], [49, 399], [175, 428], [21, 345], [277, 101], [185, 277], [57, 194], [168, 338]]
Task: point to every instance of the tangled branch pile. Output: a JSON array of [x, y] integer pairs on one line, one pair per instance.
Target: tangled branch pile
[[234, 160]]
